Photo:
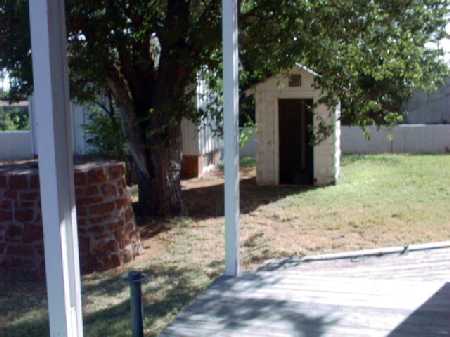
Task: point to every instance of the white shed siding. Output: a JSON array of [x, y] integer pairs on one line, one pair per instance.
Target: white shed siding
[[201, 139], [80, 117], [190, 138], [326, 154], [265, 134], [209, 141]]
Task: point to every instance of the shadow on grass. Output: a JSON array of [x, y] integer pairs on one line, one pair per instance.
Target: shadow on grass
[[20, 297], [166, 291], [207, 202]]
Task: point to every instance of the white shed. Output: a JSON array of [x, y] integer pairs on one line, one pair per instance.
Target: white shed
[[202, 146], [285, 115]]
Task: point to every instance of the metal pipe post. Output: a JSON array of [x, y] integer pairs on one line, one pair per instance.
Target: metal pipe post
[[137, 307]]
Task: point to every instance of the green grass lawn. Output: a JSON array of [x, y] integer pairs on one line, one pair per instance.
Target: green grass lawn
[[408, 197], [380, 201]]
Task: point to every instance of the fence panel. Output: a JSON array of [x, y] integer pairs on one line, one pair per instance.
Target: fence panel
[[16, 145], [406, 138]]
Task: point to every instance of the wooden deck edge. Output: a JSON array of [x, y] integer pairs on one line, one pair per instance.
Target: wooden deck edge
[[377, 251], [358, 254]]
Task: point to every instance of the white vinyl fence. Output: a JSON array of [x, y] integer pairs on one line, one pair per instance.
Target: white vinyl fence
[[16, 145], [249, 148], [79, 115], [23, 144], [406, 138]]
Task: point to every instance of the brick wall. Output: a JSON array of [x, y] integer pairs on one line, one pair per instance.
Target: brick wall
[[108, 236]]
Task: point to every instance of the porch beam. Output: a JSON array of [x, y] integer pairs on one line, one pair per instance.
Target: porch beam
[[55, 151], [231, 134]]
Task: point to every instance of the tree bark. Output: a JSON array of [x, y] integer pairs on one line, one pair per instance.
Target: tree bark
[[158, 168], [157, 160], [165, 198], [159, 175]]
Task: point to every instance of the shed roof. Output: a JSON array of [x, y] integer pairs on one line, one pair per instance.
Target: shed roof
[[251, 91]]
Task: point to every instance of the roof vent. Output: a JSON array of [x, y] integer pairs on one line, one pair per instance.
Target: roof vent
[[295, 81]]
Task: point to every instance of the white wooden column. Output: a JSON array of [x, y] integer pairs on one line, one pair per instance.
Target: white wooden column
[[231, 134], [51, 107]]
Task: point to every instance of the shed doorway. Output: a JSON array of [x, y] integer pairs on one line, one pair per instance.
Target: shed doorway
[[295, 118]]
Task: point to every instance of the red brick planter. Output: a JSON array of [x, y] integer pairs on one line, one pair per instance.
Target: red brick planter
[[107, 231]]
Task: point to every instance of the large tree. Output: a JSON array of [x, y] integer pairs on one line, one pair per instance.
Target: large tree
[[146, 53]]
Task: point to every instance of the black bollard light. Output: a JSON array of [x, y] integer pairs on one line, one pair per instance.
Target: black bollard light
[[137, 308]]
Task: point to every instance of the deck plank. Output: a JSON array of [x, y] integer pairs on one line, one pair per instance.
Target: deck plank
[[398, 295]]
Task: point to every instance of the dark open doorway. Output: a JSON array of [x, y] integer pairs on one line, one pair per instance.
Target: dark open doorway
[[295, 148]]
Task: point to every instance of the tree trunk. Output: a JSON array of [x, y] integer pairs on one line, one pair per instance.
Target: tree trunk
[[159, 181], [157, 161]]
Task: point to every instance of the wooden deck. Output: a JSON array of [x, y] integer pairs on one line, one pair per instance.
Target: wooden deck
[[399, 295]]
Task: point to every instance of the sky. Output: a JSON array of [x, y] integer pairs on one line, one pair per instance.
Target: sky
[[4, 83], [446, 46]]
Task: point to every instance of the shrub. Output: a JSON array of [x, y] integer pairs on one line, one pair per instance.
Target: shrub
[[105, 134]]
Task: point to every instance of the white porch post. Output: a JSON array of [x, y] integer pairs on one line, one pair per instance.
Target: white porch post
[[51, 106], [231, 134]]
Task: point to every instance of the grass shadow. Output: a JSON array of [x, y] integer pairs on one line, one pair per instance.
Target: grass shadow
[[166, 291], [208, 201]]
